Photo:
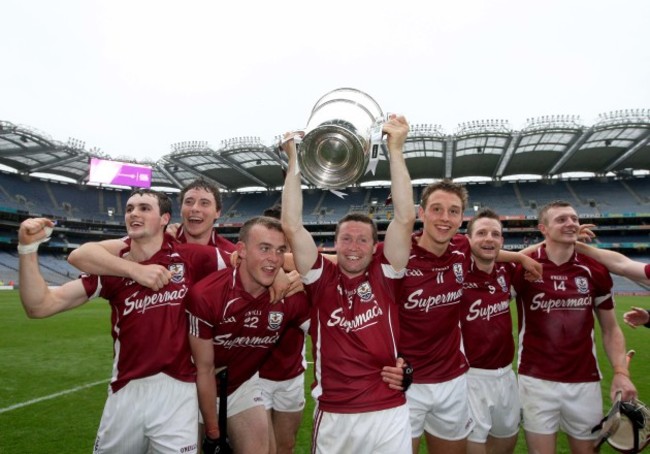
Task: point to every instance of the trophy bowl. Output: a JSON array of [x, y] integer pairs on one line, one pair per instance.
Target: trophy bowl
[[334, 152]]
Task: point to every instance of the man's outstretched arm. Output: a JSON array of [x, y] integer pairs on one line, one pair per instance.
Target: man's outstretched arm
[[302, 243], [37, 298], [397, 243], [101, 258], [617, 263]]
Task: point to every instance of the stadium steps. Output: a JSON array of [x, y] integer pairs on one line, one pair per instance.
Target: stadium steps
[[6, 194], [574, 194], [632, 193], [50, 194], [320, 202], [520, 199]]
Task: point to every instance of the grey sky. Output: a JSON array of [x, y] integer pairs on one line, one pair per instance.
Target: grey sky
[[132, 77]]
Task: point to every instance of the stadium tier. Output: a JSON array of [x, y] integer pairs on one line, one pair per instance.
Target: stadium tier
[[614, 148]]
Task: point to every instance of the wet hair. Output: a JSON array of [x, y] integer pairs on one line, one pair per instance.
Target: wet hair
[[541, 214], [445, 185], [164, 202], [483, 213], [358, 217], [200, 183], [266, 221]]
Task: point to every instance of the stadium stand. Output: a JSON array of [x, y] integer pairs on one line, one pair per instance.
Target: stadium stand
[[613, 150]]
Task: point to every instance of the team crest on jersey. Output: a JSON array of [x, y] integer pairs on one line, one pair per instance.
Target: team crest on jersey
[[582, 284], [458, 271], [364, 291], [178, 272], [275, 320], [502, 282]]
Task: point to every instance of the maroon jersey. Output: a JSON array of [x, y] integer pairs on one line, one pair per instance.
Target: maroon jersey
[[429, 311], [216, 240], [287, 359], [243, 329], [354, 329], [556, 318], [485, 317], [149, 327]]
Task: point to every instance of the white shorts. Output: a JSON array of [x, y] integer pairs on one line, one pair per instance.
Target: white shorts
[[153, 414], [248, 395], [573, 407], [493, 403], [440, 409], [374, 432], [285, 395]]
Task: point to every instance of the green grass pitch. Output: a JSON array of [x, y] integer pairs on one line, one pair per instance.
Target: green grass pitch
[[67, 360]]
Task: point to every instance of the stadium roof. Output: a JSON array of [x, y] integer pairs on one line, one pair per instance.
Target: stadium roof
[[547, 146]]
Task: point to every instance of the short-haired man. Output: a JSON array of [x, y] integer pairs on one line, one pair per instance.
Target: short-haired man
[[200, 208], [486, 325], [430, 302], [559, 378], [152, 404], [234, 324], [354, 324]]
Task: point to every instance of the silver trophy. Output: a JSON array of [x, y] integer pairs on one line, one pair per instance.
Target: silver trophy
[[341, 135]]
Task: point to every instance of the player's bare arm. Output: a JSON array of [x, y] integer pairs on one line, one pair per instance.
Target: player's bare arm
[[38, 300], [101, 258], [206, 383], [614, 345], [397, 242], [616, 262], [302, 244]]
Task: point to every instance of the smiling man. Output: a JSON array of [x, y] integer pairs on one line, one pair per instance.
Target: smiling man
[[354, 324], [234, 324], [430, 303], [559, 378], [486, 325], [200, 208], [152, 368]]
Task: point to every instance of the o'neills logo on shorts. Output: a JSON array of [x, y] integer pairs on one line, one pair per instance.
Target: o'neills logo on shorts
[[189, 448]]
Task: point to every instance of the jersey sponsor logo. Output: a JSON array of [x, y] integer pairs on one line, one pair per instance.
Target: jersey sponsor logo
[[225, 341], [551, 304], [364, 291], [166, 298], [485, 313], [275, 320], [458, 271], [425, 304], [360, 321], [582, 284], [178, 272]]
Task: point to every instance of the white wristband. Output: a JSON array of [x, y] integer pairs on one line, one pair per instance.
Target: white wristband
[[33, 247]]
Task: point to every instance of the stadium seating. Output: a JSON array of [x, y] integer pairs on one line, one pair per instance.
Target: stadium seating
[[621, 208]]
